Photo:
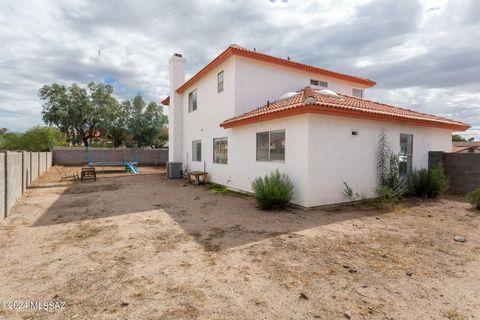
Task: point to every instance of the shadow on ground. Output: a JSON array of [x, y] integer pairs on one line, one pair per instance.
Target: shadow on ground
[[217, 221]]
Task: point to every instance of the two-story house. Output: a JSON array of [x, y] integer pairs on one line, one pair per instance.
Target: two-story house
[[246, 114]]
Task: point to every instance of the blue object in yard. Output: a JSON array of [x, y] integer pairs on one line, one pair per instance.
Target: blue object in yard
[[132, 167]]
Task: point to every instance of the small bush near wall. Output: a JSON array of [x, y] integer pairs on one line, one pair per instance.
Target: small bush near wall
[[474, 198], [273, 191], [425, 183]]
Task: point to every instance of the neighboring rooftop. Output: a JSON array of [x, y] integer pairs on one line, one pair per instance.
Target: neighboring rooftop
[[252, 54], [317, 101]]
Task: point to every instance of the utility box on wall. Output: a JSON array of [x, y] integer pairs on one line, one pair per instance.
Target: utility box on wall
[[174, 170]]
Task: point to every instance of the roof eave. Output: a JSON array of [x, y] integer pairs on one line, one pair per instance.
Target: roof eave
[[267, 58], [316, 109]]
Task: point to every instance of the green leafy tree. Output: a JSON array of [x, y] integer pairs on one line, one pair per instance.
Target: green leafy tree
[[458, 138], [146, 122], [35, 139], [76, 111]]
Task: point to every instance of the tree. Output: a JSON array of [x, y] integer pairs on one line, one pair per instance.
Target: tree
[[34, 139], [76, 111], [458, 138], [145, 122], [82, 113]]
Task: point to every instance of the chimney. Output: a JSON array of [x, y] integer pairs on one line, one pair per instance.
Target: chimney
[[175, 114], [308, 95]]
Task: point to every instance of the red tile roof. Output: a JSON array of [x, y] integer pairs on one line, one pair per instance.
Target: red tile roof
[[166, 101], [240, 51], [313, 101]]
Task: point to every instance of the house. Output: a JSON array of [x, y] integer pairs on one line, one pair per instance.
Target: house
[[246, 114], [466, 147]]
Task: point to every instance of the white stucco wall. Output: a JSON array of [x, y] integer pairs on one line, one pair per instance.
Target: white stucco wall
[[321, 152], [336, 156], [175, 113], [256, 82], [243, 168], [212, 109]]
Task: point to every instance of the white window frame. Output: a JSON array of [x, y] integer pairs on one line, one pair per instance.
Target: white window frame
[[193, 101], [269, 144], [407, 156], [220, 82], [214, 150], [318, 83], [194, 150], [356, 95]]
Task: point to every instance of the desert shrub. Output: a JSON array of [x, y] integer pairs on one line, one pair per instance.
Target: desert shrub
[[474, 198], [425, 183], [348, 192], [387, 194], [391, 186], [418, 183], [392, 179], [273, 191], [438, 181]]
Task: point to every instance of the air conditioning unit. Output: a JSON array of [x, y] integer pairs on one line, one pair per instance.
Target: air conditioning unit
[[174, 170]]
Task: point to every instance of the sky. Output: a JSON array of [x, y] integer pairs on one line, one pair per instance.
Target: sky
[[424, 55]]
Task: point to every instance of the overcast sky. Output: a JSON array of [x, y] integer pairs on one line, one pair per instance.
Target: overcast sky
[[424, 55]]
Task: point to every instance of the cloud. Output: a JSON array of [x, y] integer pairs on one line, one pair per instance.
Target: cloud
[[421, 53]]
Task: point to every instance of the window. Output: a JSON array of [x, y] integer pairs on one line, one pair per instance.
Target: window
[[220, 81], [405, 157], [271, 146], [357, 93], [220, 150], [319, 83], [192, 101], [197, 150]]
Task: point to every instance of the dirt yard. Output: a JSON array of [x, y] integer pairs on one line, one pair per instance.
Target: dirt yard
[[143, 247]]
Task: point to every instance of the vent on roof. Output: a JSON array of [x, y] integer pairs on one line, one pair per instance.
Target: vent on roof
[[329, 93], [288, 95]]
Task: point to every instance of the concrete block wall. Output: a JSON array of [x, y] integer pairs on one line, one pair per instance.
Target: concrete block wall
[[2, 186], [42, 162], [75, 156], [33, 166], [49, 159], [17, 171], [26, 175], [463, 169], [13, 180]]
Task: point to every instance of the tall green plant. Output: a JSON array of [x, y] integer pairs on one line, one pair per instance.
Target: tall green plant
[[425, 183], [273, 191], [474, 198], [391, 186], [383, 157]]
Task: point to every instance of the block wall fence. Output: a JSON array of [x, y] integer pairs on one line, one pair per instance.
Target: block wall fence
[[75, 156], [463, 169], [17, 171]]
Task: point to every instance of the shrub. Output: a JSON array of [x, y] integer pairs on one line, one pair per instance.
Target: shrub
[[387, 194], [474, 198], [438, 181], [273, 191], [35, 139], [425, 183], [391, 186], [348, 192]]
